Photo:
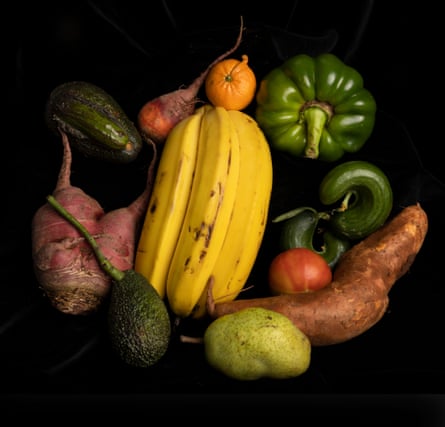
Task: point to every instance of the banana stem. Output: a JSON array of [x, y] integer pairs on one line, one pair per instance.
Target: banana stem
[[106, 265]]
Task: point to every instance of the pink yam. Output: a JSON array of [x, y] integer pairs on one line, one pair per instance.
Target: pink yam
[[65, 266], [159, 116]]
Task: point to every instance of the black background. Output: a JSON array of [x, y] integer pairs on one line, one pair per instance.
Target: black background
[[137, 51]]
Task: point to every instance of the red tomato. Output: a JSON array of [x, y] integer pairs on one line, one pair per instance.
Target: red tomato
[[298, 270]]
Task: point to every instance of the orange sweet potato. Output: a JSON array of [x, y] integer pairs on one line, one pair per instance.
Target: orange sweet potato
[[357, 297]]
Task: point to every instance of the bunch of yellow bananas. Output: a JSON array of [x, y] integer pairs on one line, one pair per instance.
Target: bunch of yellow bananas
[[208, 209]]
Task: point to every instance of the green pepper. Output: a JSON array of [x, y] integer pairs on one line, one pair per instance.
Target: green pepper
[[300, 228], [315, 107], [367, 198]]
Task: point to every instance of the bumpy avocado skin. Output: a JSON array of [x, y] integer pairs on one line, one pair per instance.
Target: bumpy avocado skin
[[138, 321], [95, 123]]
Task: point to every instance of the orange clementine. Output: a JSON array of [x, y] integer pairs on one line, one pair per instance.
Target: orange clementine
[[231, 84]]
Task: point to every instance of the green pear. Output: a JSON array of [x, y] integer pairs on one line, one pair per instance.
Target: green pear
[[254, 343]]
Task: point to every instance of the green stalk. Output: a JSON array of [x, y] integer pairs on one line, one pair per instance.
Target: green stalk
[[316, 119], [345, 203], [294, 212], [106, 265]]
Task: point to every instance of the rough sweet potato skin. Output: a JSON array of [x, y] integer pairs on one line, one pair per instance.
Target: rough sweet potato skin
[[357, 297]]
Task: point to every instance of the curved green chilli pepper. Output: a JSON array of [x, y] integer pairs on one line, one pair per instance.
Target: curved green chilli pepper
[[300, 228], [94, 122], [315, 107], [367, 198]]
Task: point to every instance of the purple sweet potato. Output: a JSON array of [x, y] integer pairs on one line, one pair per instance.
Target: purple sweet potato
[[65, 266]]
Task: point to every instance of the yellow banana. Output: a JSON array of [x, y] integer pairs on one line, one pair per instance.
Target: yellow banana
[[208, 214], [247, 226], [168, 202]]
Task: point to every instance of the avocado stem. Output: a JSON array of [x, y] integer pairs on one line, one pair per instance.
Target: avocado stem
[[106, 265]]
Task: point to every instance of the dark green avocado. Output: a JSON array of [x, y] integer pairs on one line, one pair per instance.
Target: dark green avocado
[[138, 321]]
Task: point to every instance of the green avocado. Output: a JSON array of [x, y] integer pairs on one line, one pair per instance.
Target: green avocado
[[138, 319]]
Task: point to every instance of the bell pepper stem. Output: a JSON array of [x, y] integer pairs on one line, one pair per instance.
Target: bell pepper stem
[[316, 119]]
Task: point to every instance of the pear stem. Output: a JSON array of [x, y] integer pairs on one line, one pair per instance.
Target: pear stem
[[191, 340]]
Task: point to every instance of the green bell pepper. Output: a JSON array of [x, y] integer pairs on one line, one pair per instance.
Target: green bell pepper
[[301, 228], [315, 107], [367, 198]]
